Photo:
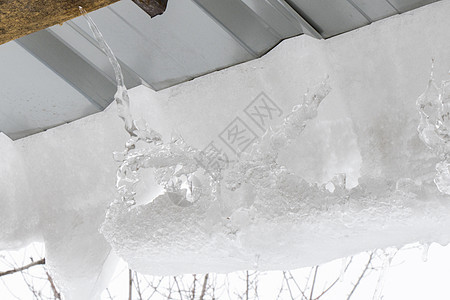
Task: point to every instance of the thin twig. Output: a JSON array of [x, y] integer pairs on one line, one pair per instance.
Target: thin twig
[[178, 287], [205, 281], [15, 270], [255, 284], [30, 286], [193, 288], [109, 294], [183, 288], [298, 287], [136, 285], [331, 285], [361, 276], [281, 288], [289, 287], [169, 297], [313, 283], [246, 281], [52, 285], [130, 284], [155, 288], [307, 280]]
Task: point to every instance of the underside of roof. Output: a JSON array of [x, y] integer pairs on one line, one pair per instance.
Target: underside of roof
[[60, 74]]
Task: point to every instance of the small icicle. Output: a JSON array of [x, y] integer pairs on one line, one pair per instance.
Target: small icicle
[[339, 180], [256, 263], [176, 164], [121, 96], [425, 248], [434, 127], [432, 70]]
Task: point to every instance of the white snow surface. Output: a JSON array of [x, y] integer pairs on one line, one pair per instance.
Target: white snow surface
[[56, 186]]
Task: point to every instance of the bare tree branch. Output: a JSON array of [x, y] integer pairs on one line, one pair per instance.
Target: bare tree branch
[[313, 283], [298, 287], [178, 287], [169, 297], [155, 288], [307, 280], [334, 282], [281, 288], [109, 294], [29, 285], [246, 282], [361, 276], [130, 284], [15, 270], [287, 283], [52, 285], [193, 288], [136, 285], [205, 281], [255, 284]]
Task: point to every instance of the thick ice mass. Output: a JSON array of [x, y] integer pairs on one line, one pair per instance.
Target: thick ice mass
[[229, 177], [434, 127]]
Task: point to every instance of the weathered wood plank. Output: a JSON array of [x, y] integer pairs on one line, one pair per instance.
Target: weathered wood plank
[[152, 7], [22, 17]]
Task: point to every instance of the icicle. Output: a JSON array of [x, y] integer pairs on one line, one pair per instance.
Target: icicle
[[121, 97], [339, 180], [259, 167], [176, 163], [425, 249], [434, 127], [256, 262]]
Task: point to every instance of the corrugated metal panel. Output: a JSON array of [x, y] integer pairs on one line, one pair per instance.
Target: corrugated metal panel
[[191, 38], [275, 17], [86, 47], [375, 9], [247, 27], [33, 97], [70, 67], [329, 17], [405, 5], [257, 25], [179, 45]]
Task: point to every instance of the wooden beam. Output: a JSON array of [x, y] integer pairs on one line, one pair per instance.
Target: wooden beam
[[22, 17], [152, 7]]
